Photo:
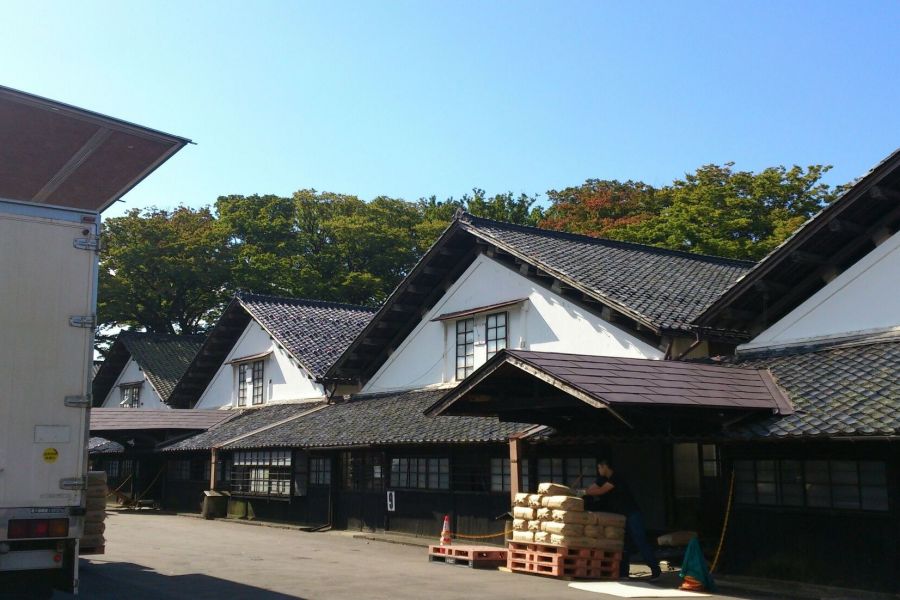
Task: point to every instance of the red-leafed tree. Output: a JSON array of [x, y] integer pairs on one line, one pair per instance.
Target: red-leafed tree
[[600, 207]]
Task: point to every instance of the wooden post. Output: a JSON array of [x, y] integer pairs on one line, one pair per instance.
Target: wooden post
[[515, 469], [213, 464]]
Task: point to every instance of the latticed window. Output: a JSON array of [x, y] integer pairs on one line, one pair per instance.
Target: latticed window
[[362, 471], [250, 382], [319, 470], [131, 395], [420, 473], [496, 333], [261, 473], [841, 484], [576, 472], [465, 348], [501, 475]]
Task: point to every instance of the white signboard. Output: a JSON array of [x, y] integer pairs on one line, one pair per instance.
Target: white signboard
[[391, 501]]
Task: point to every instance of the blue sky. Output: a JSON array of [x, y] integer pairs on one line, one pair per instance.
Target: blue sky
[[410, 99]]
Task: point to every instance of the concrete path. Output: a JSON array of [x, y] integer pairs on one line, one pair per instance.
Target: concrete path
[[155, 556]]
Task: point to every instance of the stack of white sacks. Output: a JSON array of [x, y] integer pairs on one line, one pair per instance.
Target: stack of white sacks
[[556, 516]]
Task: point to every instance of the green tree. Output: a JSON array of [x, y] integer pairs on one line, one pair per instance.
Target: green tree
[[163, 271], [739, 214]]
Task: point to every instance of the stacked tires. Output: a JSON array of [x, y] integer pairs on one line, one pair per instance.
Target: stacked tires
[[93, 540]]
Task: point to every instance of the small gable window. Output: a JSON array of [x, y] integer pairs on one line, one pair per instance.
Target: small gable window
[[496, 333], [131, 395], [465, 348], [250, 382]]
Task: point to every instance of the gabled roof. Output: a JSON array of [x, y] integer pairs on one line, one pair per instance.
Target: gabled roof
[[838, 390], [163, 359], [58, 154], [830, 242], [650, 291], [614, 384], [379, 419], [243, 422], [313, 332]]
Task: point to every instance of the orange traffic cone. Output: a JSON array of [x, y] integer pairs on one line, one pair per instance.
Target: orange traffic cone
[[445, 532]]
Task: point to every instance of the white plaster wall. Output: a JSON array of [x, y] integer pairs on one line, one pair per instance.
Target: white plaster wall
[[282, 381], [865, 297], [545, 322], [132, 374]]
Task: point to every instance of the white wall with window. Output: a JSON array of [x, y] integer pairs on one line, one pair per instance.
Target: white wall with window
[[132, 390], [545, 321], [279, 378]]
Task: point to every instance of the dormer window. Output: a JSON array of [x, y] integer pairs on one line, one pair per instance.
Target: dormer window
[[131, 395], [496, 335], [250, 382], [465, 348]]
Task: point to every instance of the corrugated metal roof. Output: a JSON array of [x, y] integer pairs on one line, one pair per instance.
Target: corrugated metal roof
[[127, 419]]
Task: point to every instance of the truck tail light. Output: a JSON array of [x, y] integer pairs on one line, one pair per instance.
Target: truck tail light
[[37, 528]]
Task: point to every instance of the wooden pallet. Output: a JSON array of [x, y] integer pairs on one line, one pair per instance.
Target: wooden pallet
[[563, 562], [474, 557]]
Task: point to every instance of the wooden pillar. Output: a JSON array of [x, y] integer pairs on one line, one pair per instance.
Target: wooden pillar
[[515, 468], [213, 464]]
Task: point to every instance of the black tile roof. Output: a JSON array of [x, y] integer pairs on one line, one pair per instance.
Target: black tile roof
[[850, 389], [313, 331], [380, 419], [242, 421], [99, 445], [163, 358], [667, 287]]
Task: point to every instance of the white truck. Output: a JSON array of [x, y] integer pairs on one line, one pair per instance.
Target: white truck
[[60, 166]]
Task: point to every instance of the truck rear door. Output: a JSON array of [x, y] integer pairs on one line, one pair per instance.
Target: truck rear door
[[45, 282]]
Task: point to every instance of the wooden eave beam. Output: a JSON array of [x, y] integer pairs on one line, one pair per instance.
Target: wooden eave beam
[[802, 288], [844, 226]]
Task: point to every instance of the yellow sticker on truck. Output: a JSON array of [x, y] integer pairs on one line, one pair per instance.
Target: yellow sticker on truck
[[50, 455]]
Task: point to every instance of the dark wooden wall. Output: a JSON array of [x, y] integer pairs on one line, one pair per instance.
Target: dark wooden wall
[[849, 548]]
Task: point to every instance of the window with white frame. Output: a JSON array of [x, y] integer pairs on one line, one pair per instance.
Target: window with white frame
[[465, 348], [250, 382], [496, 333], [501, 475], [131, 395], [261, 473]]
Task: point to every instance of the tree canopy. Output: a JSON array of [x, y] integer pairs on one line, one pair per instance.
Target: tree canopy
[[173, 271]]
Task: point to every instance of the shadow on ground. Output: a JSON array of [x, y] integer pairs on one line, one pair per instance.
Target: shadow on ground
[[128, 581]]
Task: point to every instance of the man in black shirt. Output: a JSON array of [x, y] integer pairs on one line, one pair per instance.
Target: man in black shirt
[[613, 487]]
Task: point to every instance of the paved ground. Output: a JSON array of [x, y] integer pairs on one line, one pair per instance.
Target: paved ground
[[155, 556]]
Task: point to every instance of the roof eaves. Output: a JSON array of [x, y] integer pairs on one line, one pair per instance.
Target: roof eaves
[[811, 226]]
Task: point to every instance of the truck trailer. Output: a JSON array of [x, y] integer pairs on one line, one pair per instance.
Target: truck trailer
[[60, 167]]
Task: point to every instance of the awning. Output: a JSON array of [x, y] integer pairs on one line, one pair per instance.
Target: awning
[[152, 425], [478, 309], [551, 388], [56, 154]]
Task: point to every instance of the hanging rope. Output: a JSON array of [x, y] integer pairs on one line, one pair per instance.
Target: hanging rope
[[116, 491], [461, 536], [149, 487], [715, 562]]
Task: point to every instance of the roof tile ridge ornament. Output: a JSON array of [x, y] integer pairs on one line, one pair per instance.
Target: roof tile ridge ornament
[[462, 215]]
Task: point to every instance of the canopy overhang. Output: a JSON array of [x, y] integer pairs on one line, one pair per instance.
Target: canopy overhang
[[60, 155], [611, 394]]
